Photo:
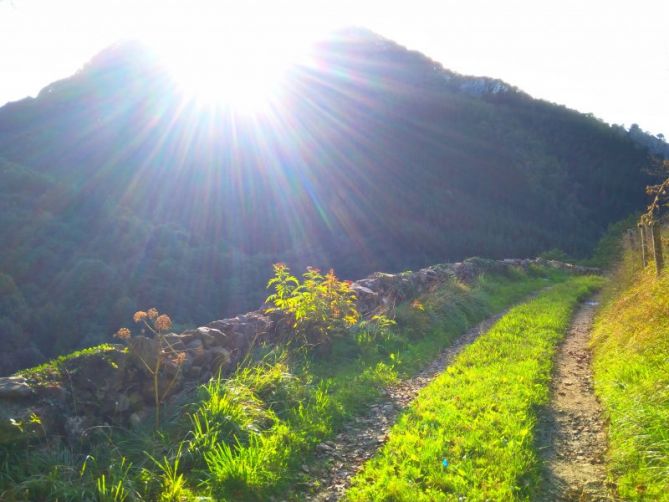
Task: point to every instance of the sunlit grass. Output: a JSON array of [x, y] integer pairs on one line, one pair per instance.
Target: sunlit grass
[[469, 434], [246, 437], [631, 365], [53, 365]]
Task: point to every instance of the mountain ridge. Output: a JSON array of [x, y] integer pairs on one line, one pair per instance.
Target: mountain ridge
[[376, 158]]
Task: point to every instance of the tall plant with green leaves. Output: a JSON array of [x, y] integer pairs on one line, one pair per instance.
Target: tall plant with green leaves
[[318, 307]]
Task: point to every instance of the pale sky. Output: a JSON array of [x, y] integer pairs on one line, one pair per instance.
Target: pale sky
[[605, 57]]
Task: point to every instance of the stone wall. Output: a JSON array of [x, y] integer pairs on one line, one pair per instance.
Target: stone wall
[[114, 387]]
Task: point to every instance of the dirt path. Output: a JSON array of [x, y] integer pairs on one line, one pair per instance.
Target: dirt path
[[343, 456], [571, 435]]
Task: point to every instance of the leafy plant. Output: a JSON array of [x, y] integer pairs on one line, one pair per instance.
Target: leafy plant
[[320, 306]]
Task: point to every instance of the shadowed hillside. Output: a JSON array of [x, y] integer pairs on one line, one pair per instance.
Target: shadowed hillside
[[117, 190]]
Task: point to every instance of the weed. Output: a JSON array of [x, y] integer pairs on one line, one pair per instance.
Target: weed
[[173, 484], [320, 306]]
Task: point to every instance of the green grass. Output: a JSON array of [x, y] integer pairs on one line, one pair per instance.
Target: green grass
[[479, 415], [631, 370], [53, 366], [246, 437]]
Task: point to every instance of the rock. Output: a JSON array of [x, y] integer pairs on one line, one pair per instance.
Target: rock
[[77, 428], [144, 351], [136, 401], [122, 403], [221, 359], [175, 343], [464, 271], [197, 354], [195, 346], [53, 391], [211, 337], [147, 391], [94, 382], [366, 299], [194, 371], [14, 387], [136, 419], [170, 367], [242, 330]]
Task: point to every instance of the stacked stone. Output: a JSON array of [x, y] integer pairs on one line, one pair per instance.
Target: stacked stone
[[111, 386]]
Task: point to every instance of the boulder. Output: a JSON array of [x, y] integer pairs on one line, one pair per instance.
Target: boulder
[[14, 387], [144, 352], [196, 353], [366, 300], [211, 337], [465, 271], [241, 331]]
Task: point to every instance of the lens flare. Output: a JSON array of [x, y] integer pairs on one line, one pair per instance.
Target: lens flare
[[240, 67]]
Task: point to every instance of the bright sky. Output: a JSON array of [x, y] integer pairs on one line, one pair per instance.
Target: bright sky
[[606, 57]]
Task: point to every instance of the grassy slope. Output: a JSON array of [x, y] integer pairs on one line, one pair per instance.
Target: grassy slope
[[631, 365], [245, 438], [479, 415]]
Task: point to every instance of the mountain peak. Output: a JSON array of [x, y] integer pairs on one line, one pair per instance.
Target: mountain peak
[[129, 54]]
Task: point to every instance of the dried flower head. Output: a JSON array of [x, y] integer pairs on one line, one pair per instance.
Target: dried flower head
[[163, 323], [152, 313], [139, 316], [123, 334]]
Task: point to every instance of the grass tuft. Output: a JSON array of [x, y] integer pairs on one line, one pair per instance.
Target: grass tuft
[[631, 370]]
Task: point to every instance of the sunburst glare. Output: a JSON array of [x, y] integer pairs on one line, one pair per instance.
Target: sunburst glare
[[236, 63]]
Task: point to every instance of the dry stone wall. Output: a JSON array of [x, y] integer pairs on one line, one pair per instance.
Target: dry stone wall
[[113, 387]]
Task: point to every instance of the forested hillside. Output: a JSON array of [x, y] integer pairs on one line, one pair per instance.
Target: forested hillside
[[118, 190]]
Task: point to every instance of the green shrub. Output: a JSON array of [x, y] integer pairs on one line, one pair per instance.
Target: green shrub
[[320, 306]]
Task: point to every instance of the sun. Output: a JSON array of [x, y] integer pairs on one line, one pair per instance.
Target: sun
[[240, 66], [242, 74]]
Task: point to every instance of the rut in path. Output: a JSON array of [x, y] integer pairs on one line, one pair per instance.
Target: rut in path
[[571, 434], [344, 455]]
